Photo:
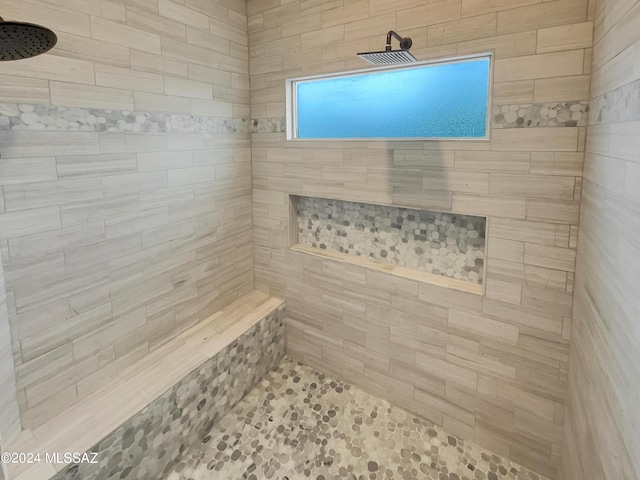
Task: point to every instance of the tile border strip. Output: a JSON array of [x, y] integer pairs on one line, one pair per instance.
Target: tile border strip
[[616, 106], [21, 117], [552, 114], [31, 117], [532, 115]]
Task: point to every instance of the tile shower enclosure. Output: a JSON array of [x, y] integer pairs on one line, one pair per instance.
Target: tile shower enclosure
[[443, 244]]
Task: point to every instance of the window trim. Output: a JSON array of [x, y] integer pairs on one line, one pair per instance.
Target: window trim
[[291, 100]]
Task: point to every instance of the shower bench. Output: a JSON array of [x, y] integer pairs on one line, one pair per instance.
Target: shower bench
[[139, 426]]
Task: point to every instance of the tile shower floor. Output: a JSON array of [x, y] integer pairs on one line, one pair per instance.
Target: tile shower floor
[[299, 423]]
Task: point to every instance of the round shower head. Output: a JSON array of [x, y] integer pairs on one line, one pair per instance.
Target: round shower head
[[23, 40]]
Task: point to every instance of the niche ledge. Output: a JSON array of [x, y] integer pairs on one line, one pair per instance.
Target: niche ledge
[[437, 248]]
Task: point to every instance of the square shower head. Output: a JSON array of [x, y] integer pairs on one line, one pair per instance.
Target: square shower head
[[388, 57]]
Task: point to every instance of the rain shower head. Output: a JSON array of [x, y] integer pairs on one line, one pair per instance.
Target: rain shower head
[[388, 56], [24, 40]]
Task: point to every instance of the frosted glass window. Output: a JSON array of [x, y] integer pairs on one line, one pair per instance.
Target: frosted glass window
[[443, 100]]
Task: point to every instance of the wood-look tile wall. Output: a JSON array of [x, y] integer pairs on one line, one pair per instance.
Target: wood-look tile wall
[[113, 242], [602, 428], [9, 412], [490, 368]]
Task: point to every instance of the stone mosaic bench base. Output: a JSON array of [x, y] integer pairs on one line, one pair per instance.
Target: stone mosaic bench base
[[243, 347], [153, 441]]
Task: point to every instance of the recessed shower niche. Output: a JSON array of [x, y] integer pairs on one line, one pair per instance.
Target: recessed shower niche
[[436, 247]]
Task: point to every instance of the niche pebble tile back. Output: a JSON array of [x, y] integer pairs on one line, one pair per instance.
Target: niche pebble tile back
[[444, 244]]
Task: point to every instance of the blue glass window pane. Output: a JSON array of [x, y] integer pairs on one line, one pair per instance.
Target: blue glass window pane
[[442, 101]]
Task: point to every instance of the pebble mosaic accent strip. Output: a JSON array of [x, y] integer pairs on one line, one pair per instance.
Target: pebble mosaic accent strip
[[557, 114], [152, 442], [47, 117], [441, 243], [617, 106], [269, 125], [299, 423]]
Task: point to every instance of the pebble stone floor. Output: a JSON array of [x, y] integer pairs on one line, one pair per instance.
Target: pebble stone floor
[[301, 424]]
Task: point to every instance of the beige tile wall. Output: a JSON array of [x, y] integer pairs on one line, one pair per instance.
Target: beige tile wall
[[114, 242], [4, 475], [602, 438], [9, 412], [490, 368]]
